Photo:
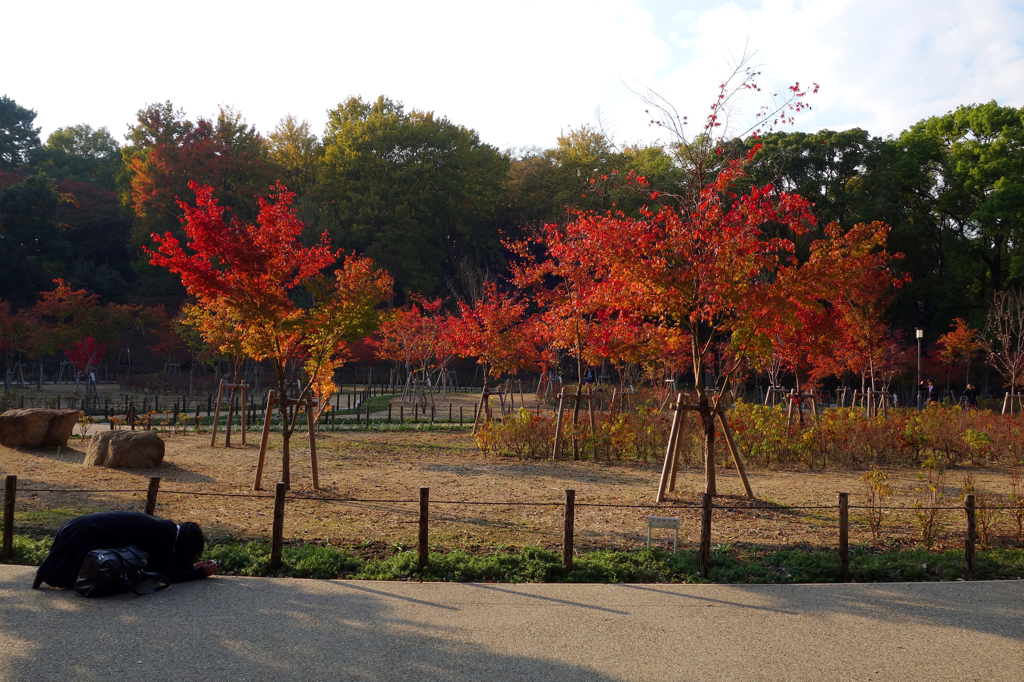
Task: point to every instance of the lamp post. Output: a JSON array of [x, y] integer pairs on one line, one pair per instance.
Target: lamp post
[[920, 335]]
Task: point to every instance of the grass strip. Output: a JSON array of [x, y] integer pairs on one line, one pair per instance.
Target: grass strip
[[654, 565]]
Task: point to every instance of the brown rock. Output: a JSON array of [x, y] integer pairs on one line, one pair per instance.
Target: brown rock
[[37, 428], [125, 450]]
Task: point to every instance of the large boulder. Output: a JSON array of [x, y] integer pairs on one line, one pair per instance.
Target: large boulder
[[125, 450], [37, 428]]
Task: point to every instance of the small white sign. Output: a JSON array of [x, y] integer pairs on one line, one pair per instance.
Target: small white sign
[[663, 522]]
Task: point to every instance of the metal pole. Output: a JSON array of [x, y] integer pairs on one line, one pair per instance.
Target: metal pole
[[919, 371]]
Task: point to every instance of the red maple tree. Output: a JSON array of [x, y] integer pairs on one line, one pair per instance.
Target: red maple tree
[[243, 274]]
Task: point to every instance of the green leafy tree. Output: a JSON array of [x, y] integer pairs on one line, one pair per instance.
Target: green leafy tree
[[977, 166], [32, 248], [80, 153], [415, 192], [17, 136], [295, 152]]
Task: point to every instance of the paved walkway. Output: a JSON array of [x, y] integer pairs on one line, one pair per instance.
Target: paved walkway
[[272, 629]]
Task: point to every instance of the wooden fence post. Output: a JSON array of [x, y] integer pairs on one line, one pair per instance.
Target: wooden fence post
[[969, 542], [844, 535], [7, 546], [424, 546], [705, 535], [570, 521], [154, 487], [278, 531]]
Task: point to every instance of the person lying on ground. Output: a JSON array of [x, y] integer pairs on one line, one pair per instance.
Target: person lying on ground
[[174, 549]]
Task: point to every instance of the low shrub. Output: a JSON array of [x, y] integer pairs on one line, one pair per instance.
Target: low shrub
[[844, 437]]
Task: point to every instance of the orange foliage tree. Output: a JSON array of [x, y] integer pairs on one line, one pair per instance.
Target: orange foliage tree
[[960, 345], [75, 322]]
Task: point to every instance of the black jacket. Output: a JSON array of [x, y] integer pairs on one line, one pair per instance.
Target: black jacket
[[111, 530]]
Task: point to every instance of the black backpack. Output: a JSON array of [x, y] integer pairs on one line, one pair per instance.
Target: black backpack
[[111, 571]]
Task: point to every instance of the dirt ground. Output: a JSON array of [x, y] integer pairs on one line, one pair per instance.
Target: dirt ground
[[370, 484]]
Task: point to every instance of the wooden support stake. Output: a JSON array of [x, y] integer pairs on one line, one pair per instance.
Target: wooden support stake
[[484, 397], [216, 416], [735, 450], [969, 542], [678, 447], [271, 401], [310, 414], [231, 417], [705, 535], [567, 536], [154, 488], [593, 419], [245, 425], [844, 536], [557, 449], [670, 449], [7, 545], [1006, 401], [278, 531], [424, 546]]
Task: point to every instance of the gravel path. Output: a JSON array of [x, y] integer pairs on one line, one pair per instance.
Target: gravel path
[[273, 629]]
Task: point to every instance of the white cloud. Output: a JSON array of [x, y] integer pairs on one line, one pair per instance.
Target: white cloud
[[882, 65], [517, 73]]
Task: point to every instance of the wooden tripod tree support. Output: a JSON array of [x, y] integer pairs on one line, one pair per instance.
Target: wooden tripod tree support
[[231, 412], [272, 400], [1008, 402], [873, 400], [794, 406], [668, 471], [560, 420], [772, 393], [485, 406], [623, 394]]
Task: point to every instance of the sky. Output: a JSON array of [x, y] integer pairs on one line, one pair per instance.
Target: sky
[[519, 73]]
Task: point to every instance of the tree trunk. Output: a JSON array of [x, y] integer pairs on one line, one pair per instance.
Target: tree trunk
[[286, 432], [576, 422]]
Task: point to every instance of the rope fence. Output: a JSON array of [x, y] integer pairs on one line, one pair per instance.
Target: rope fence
[[707, 506]]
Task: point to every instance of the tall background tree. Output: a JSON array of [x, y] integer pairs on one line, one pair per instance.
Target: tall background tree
[[17, 136], [415, 192]]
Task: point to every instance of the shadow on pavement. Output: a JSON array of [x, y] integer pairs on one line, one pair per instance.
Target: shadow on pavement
[[243, 629], [965, 605]]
